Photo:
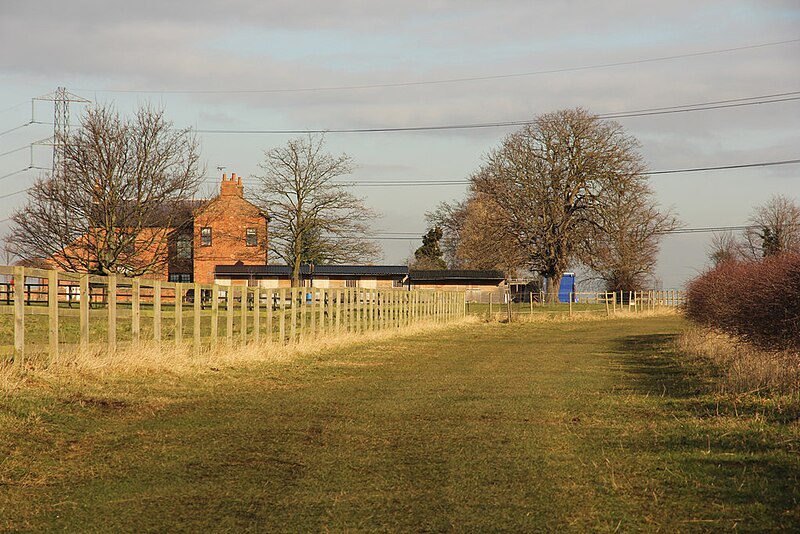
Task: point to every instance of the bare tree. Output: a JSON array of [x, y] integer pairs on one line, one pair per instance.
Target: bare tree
[[313, 218], [473, 236], [775, 229], [449, 217], [551, 181], [623, 243], [123, 186], [724, 248]]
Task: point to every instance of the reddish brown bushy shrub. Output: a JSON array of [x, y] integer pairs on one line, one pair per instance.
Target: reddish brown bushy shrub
[[758, 301]]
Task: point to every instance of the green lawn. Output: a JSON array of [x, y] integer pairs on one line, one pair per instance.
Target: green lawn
[[591, 425]]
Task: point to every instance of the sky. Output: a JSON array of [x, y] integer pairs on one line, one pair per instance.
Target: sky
[[251, 68]]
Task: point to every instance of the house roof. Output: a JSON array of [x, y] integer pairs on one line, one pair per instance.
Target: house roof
[[305, 270], [453, 274], [170, 214]]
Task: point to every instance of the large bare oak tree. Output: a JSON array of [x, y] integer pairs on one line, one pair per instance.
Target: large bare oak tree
[[313, 219], [109, 207], [566, 188]]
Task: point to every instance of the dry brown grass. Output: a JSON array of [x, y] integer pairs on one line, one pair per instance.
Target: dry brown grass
[[740, 367], [579, 316], [151, 358]]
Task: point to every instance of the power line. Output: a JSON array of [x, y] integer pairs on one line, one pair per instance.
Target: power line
[[686, 108], [15, 150], [415, 183], [727, 167], [17, 128], [664, 110], [411, 236], [13, 107], [7, 195], [401, 183], [451, 80], [12, 174]]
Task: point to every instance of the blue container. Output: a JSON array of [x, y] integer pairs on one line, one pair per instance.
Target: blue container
[[567, 287]]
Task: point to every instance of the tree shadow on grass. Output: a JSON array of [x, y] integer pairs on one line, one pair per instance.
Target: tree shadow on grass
[[654, 367], [737, 461]]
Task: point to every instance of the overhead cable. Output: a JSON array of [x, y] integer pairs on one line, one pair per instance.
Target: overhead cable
[[450, 80], [686, 108]]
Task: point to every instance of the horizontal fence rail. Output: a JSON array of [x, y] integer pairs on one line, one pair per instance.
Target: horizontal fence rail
[[509, 304], [52, 309]]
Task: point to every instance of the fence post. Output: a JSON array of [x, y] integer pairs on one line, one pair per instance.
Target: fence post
[[178, 313], [257, 315], [303, 305], [346, 309], [136, 310], [373, 309], [270, 304], [214, 313], [608, 310], [282, 316], [380, 316], [198, 308], [393, 307], [52, 311], [229, 314], [293, 311], [245, 296], [338, 297], [323, 297], [157, 310], [312, 311], [112, 312], [19, 316]]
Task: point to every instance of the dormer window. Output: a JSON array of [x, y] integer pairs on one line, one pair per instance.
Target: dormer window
[[205, 237]]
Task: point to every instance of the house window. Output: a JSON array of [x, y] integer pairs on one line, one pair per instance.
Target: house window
[[180, 277], [350, 282], [397, 283], [250, 237], [205, 237], [183, 247]]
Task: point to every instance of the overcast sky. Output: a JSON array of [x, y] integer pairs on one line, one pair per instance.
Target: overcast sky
[[268, 65]]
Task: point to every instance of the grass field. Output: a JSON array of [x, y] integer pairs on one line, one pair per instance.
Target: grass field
[[585, 425]]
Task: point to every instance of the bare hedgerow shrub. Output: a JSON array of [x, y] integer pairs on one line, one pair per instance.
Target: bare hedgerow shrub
[[755, 301]]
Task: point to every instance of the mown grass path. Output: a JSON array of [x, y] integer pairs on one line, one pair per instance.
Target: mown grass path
[[565, 426]]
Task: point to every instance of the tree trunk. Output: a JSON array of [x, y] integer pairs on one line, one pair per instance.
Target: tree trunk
[[553, 285], [296, 271]]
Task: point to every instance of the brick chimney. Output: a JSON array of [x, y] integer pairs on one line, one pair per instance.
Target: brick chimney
[[231, 187]]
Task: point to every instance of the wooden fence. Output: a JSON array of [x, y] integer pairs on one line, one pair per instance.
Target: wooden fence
[[51, 309], [587, 302]]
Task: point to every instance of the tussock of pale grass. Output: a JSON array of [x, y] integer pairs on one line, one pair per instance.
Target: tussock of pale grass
[[150, 358], [741, 368]]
